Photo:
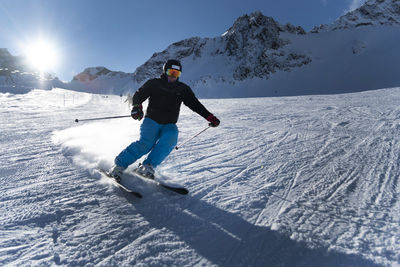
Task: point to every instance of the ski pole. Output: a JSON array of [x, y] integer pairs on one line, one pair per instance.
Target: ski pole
[[177, 147], [103, 118]]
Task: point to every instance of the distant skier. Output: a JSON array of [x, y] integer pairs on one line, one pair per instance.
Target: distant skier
[[129, 100], [158, 132]]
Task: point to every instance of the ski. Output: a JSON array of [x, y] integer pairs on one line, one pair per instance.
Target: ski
[[107, 174], [177, 189]]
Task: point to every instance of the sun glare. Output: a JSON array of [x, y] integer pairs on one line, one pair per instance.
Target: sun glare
[[42, 55]]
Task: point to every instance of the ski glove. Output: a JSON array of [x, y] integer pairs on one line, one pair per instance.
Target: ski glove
[[137, 112], [214, 122]]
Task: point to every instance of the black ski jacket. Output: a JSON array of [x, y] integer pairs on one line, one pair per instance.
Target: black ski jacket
[[165, 100]]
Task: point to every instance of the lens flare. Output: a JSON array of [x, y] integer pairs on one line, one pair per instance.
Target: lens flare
[[42, 55]]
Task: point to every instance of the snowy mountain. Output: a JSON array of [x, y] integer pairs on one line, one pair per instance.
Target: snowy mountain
[[257, 56], [372, 13], [102, 80], [315, 182], [16, 77], [251, 48]]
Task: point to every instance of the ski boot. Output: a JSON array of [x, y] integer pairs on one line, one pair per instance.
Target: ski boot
[[116, 172], [146, 170]]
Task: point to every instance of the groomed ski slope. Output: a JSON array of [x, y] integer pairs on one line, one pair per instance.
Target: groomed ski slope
[[292, 181]]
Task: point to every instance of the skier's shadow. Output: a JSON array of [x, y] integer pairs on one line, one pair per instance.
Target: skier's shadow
[[226, 239]]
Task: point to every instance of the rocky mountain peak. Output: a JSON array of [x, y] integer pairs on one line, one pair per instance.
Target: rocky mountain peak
[[252, 42], [255, 42], [253, 23], [260, 26], [91, 73], [371, 13]]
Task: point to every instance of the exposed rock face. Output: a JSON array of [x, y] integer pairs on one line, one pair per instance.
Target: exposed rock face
[[256, 43], [253, 43], [91, 73]]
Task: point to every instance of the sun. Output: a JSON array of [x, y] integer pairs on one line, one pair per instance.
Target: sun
[[42, 55]]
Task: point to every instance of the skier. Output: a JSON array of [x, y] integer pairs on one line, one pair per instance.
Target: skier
[[129, 100], [158, 132]]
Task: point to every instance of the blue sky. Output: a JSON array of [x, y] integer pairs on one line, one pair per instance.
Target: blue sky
[[122, 34]]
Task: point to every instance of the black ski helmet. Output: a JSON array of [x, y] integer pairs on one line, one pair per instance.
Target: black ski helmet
[[172, 64]]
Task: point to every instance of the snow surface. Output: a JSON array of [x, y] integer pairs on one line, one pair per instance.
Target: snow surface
[[290, 181]]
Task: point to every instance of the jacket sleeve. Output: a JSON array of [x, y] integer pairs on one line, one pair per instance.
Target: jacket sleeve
[[142, 93], [191, 101]]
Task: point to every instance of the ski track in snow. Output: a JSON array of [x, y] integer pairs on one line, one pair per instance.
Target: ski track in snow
[[292, 181]]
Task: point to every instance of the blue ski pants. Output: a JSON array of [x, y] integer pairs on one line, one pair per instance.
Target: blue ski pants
[[158, 139]]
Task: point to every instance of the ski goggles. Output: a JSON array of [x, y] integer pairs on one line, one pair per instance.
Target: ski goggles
[[174, 73]]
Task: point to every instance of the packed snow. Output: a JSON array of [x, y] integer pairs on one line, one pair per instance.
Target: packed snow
[[288, 181]]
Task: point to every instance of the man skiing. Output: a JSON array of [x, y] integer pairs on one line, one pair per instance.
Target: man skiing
[[129, 100], [158, 132]]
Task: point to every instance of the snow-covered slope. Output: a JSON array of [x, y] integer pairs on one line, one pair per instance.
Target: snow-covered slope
[[290, 181]]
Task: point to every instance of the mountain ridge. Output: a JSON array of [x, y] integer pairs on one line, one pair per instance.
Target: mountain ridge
[[258, 56], [371, 13], [17, 77], [252, 44]]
